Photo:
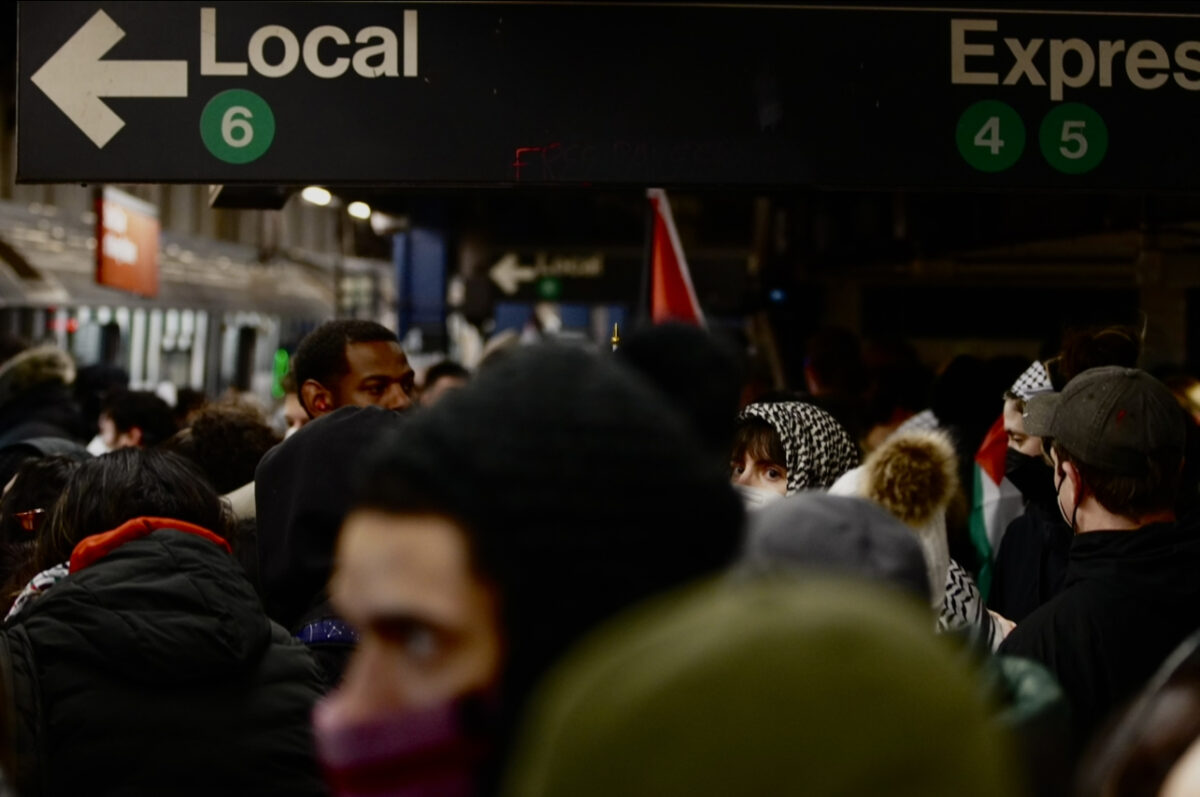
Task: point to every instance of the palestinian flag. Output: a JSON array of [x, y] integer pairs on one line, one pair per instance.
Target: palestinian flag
[[995, 501], [672, 296]]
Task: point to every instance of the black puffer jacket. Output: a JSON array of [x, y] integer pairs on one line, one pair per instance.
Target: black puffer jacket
[[153, 670]]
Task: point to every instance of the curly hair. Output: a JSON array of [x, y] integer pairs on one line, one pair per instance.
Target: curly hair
[[226, 441]]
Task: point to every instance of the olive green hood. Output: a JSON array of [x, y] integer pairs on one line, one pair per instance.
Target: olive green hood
[[765, 688]]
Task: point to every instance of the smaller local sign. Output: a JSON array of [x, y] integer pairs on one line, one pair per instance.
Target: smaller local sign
[[127, 239], [509, 273]]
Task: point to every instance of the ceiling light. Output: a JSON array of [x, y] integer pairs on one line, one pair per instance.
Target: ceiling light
[[316, 195]]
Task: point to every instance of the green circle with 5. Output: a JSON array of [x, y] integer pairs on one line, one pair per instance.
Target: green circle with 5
[[990, 136], [1074, 138], [237, 126]]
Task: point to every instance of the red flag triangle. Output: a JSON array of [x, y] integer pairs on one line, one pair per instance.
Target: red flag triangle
[[672, 297], [993, 451]]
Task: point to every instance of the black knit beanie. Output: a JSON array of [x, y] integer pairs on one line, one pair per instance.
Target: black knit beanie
[[580, 492], [698, 372]]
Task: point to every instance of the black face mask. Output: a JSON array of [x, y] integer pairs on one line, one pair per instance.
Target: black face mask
[[1031, 475]]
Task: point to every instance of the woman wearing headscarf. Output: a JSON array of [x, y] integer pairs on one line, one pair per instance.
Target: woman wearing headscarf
[[785, 447]]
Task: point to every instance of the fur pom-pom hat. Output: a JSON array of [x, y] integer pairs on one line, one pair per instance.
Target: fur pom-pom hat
[[33, 367], [914, 476]]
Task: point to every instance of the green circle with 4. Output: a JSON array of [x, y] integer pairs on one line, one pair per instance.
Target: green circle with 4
[[1074, 138], [237, 126], [990, 136]]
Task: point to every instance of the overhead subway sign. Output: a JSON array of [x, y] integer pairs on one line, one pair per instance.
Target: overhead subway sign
[[470, 94], [376, 50], [77, 78], [977, 60]]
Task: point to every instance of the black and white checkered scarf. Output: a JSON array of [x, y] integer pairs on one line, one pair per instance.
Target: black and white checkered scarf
[[1034, 380], [818, 448]]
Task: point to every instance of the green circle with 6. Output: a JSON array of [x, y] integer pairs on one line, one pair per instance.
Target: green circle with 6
[[237, 126], [990, 136], [1074, 138]]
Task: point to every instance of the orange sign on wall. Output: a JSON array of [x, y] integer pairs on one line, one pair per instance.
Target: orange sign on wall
[[127, 235]]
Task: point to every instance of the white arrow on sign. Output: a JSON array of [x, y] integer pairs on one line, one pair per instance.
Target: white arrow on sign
[[75, 78], [508, 275]]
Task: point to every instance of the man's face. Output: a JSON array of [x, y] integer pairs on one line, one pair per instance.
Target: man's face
[[293, 413], [114, 438], [1014, 428], [1064, 485], [441, 387], [1184, 777], [427, 624], [379, 375]]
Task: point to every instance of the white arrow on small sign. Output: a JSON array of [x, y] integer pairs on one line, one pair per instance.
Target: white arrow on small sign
[[75, 78], [508, 274]]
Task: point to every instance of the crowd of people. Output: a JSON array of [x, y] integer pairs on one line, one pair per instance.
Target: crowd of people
[[573, 573]]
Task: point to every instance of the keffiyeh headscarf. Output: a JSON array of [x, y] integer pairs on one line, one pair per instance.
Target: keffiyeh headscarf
[[1035, 380], [817, 448]]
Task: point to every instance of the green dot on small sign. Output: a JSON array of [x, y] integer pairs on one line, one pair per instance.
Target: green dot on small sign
[[990, 136], [1074, 138], [237, 126], [549, 288]]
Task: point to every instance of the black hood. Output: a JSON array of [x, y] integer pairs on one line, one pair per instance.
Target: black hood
[[167, 608]]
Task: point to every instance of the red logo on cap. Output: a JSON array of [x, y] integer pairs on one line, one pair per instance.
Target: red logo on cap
[[1120, 417]]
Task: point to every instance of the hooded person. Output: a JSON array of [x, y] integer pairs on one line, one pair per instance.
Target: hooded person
[[491, 532], [36, 400], [834, 533], [822, 688], [302, 491], [823, 533], [914, 477], [671, 356], [784, 447]]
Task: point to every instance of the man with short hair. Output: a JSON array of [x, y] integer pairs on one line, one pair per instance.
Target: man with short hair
[[440, 378], [1131, 593], [302, 486], [135, 419], [349, 362]]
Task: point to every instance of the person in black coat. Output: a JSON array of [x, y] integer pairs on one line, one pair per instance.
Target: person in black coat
[[1131, 593], [487, 535], [149, 666], [36, 402]]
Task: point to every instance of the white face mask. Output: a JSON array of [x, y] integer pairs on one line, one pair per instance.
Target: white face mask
[[1070, 521], [754, 498]]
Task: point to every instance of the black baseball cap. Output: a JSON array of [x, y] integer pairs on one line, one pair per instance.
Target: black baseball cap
[[1110, 418]]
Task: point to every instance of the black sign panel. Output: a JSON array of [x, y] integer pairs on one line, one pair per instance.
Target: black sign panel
[[584, 94], [593, 276]]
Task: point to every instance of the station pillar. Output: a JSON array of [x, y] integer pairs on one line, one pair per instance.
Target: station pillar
[[420, 256]]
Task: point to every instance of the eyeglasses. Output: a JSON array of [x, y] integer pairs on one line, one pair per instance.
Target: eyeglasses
[[31, 519]]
